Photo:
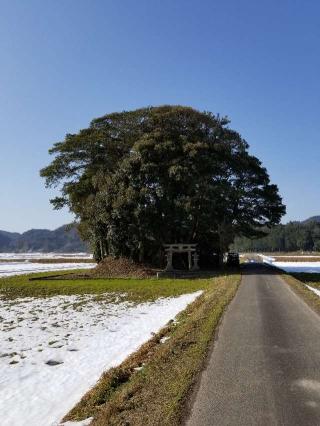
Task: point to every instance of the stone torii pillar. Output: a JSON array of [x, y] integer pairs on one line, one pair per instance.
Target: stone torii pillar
[[189, 260], [169, 266], [195, 262]]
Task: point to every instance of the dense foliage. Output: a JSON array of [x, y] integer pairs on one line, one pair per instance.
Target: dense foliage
[[294, 236], [138, 179]]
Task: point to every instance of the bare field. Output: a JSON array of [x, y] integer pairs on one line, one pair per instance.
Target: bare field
[[297, 258], [49, 260]]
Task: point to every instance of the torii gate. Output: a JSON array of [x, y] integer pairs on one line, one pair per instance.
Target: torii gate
[[182, 248]]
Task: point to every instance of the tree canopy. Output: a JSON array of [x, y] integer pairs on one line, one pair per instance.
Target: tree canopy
[[167, 174]]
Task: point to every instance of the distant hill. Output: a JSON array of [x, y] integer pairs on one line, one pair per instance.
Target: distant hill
[[312, 219], [43, 240], [290, 237]]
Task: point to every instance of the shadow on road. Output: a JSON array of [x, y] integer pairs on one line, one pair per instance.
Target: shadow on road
[[257, 268]]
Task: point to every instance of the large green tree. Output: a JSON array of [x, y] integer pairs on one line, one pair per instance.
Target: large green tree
[[167, 174]]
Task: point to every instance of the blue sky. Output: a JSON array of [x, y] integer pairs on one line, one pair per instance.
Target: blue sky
[[66, 62]]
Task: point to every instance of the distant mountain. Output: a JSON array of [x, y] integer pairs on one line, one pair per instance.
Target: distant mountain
[[312, 219], [60, 240]]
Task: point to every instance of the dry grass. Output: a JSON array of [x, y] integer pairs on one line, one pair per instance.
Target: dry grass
[[151, 386], [296, 259], [301, 290]]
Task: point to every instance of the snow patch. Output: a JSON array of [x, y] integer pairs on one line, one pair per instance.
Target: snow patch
[[266, 259], [53, 350], [315, 290], [39, 255], [85, 422], [8, 269], [307, 267]]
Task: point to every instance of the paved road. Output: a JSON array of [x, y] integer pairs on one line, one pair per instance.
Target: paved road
[[265, 366]]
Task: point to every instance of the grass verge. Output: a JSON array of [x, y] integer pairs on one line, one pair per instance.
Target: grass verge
[[297, 283], [151, 386]]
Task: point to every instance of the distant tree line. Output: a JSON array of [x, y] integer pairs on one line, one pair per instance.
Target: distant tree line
[[294, 236]]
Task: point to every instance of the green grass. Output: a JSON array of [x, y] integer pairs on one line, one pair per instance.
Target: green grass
[[135, 289]]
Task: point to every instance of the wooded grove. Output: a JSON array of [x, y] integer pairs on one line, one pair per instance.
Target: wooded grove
[[167, 174]]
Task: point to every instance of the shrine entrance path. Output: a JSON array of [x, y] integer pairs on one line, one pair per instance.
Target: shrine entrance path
[[264, 368]]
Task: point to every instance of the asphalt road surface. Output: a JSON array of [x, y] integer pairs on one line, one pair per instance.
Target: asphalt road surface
[[264, 368]]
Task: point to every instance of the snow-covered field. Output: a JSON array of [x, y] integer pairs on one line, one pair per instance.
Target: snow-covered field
[[310, 267], [52, 350], [300, 256], [39, 255], [23, 263], [8, 269]]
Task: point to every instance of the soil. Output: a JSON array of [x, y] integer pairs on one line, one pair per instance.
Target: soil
[[112, 267]]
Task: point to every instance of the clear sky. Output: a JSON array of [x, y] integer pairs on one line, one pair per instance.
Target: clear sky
[[66, 62]]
